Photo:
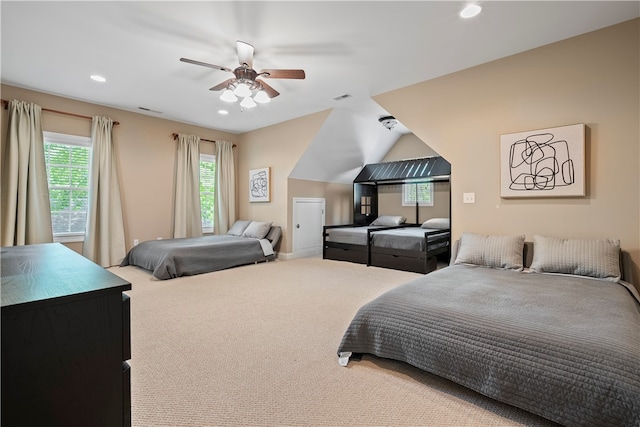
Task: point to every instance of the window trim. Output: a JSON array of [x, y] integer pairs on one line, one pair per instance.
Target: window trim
[[212, 159], [404, 192], [68, 139]]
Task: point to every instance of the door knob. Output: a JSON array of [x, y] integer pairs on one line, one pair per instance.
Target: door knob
[[297, 225]]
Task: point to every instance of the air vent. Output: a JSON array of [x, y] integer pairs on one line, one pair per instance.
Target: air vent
[[342, 97], [150, 110]]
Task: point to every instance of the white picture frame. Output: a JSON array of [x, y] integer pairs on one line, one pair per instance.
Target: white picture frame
[[543, 163], [260, 185]]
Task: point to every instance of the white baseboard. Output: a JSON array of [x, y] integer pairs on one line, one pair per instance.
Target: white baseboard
[[300, 254]]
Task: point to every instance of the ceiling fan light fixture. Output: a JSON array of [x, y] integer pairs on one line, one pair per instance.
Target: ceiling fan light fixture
[[242, 90], [262, 97], [248, 102], [245, 84], [228, 96]]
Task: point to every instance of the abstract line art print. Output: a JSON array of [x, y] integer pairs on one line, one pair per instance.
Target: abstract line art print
[[259, 185], [543, 163]]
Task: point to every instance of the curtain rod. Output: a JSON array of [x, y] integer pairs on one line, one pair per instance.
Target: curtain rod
[[6, 105], [175, 136]]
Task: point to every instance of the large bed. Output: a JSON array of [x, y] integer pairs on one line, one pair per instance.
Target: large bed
[[389, 244], [560, 338], [247, 242]]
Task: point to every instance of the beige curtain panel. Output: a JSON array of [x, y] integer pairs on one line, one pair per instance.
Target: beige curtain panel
[[187, 218], [104, 241], [225, 197], [26, 213]]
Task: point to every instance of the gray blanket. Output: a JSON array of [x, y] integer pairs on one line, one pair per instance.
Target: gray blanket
[[172, 258], [563, 347]]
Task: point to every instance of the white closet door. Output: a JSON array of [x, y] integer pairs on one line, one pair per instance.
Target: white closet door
[[308, 220]]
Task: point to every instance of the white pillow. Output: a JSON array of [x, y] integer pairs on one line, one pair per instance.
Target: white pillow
[[599, 258], [389, 220], [491, 251], [437, 223], [238, 227], [257, 229]]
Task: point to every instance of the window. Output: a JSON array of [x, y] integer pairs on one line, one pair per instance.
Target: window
[[207, 190], [424, 194], [67, 159]]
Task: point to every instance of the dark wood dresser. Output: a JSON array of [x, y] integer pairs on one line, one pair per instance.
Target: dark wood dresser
[[65, 340]]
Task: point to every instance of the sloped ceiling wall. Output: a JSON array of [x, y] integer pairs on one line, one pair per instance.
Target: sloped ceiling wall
[[351, 137]]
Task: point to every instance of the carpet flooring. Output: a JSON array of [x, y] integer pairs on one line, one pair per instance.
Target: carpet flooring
[[256, 346]]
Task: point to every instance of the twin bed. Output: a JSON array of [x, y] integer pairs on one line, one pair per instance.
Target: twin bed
[[390, 243], [555, 332], [247, 242]]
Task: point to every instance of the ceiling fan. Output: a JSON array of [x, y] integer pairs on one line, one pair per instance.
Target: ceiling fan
[[246, 84]]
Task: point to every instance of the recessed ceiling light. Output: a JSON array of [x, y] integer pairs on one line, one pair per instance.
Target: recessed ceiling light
[[223, 112], [98, 78], [470, 11]]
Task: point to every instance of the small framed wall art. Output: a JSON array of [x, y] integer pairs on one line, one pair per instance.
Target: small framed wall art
[[260, 185], [543, 163]]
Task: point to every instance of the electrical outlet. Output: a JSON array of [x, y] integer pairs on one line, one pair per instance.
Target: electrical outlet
[[468, 197], [135, 242], [159, 238]]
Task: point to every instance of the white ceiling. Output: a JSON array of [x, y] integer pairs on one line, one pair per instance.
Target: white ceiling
[[360, 48]]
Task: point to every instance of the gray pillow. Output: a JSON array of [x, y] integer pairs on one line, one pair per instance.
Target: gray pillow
[[599, 258], [437, 223], [275, 232], [238, 228], [491, 251], [257, 229], [389, 220]]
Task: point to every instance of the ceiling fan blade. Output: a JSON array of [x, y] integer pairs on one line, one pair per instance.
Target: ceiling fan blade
[[283, 74], [204, 64], [245, 53], [223, 85], [271, 92]]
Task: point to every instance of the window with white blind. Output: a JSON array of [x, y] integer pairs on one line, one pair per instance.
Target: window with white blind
[[207, 190], [67, 159], [422, 192]]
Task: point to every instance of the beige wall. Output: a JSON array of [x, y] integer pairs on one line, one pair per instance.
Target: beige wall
[[409, 146], [390, 203], [278, 147], [145, 150], [591, 79], [338, 199]]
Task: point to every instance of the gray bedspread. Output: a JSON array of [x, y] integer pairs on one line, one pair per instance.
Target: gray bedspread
[[349, 235], [172, 258], [563, 347]]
